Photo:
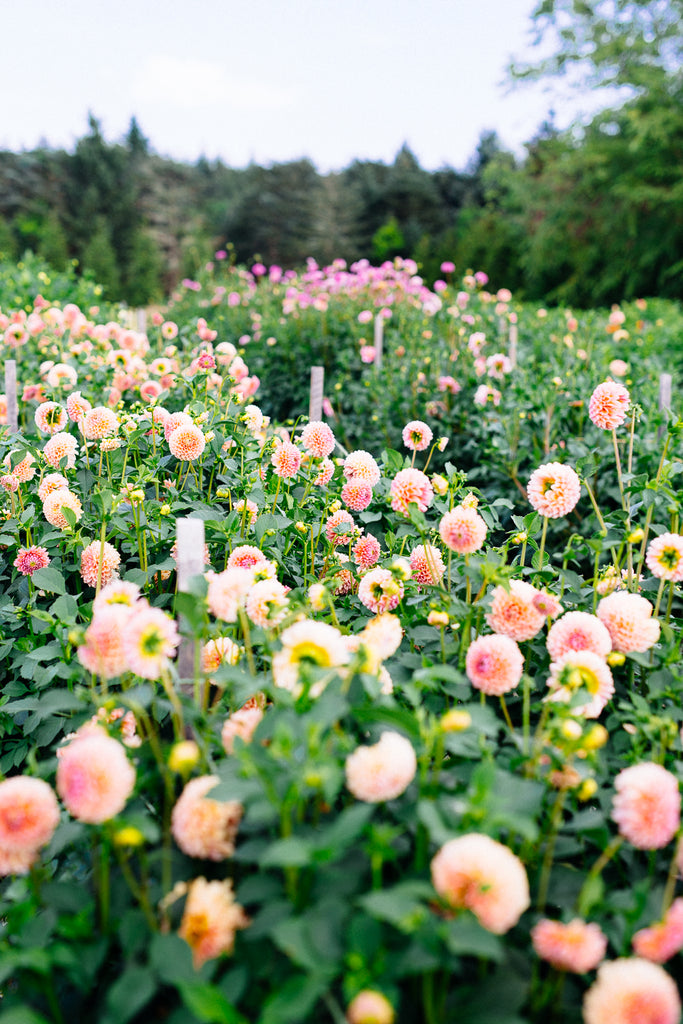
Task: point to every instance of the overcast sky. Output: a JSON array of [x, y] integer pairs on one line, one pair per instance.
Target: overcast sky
[[272, 80]]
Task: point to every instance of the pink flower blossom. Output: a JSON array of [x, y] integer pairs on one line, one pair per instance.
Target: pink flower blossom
[[382, 771], [462, 530], [94, 777], [577, 946], [632, 991], [608, 405], [494, 664], [203, 827], [647, 805], [663, 940]]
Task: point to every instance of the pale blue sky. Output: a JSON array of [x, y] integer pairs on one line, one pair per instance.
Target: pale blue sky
[[272, 81]]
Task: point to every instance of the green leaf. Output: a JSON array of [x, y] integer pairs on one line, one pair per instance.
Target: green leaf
[[293, 1002], [49, 579], [290, 852], [466, 937], [128, 995], [23, 1015], [404, 905], [208, 1004]]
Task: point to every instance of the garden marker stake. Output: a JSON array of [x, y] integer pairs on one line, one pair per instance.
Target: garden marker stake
[[379, 341], [11, 395], [190, 539], [512, 351], [315, 402], [664, 398]]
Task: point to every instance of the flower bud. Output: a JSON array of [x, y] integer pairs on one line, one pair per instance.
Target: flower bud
[[456, 721], [615, 658], [437, 618], [596, 737], [571, 729], [440, 484], [587, 789], [184, 757], [370, 1007], [128, 836]]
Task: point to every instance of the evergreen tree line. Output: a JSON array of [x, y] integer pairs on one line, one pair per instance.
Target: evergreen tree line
[[585, 217]]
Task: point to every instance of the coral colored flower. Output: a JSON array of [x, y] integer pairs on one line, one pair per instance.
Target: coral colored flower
[[175, 420], [266, 603], [427, 564], [245, 556], [647, 805], [91, 558], [210, 920], [661, 941], [56, 502], [340, 527], [203, 827], [30, 559], [308, 644], [382, 635], [608, 405], [318, 439], [462, 530], [286, 460], [581, 670], [50, 417], [325, 472], [381, 771], [99, 422], [514, 613], [578, 631], [577, 947], [370, 1007], [227, 591], [380, 591], [632, 991], [366, 551], [150, 641], [628, 619], [479, 874], [554, 489], [664, 556], [356, 495], [103, 652], [29, 815], [220, 651], [494, 664], [77, 406], [61, 446], [360, 465], [187, 443], [94, 777], [240, 724], [24, 470], [411, 486], [51, 482], [417, 435]]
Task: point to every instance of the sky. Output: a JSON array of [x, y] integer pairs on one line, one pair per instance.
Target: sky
[[274, 80]]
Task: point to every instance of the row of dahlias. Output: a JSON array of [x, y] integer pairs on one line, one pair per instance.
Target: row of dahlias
[[348, 594]]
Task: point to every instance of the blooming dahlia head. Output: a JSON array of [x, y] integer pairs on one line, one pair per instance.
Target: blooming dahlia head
[[608, 405], [663, 940], [318, 439], [578, 631], [462, 530], [94, 776], [99, 563], [382, 771], [554, 489], [203, 827], [581, 670], [29, 815], [210, 920], [513, 611], [411, 486], [628, 618], [665, 556], [632, 991], [494, 664], [417, 435], [577, 946], [647, 805]]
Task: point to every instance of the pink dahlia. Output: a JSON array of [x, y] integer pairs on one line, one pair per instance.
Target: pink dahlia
[[366, 551], [50, 417], [150, 641], [102, 652], [356, 495], [513, 611], [578, 631], [318, 439], [647, 805], [494, 664], [417, 435], [462, 530], [30, 559], [427, 564], [476, 873], [340, 527], [411, 486], [381, 771], [286, 460], [241, 725], [227, 592], [29, 815], [99, 422], [360, 465], [56, 502], [245, 556], [370, 1007], [665, 557], [380, 591], [51, 482], [577, 947], [629, 622], [99, 563], [203, 827], [632, 991], [210, 920], [61, 446], [661, 941], [581, 670], [94, 777], [608, 405], [187, 443], [553, 490]]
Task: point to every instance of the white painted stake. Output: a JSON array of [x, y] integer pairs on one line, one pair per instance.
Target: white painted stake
[[664, 398], [315, 402], [142, 320], [379, 341], [190, 562], [11, 395], [512, 351]]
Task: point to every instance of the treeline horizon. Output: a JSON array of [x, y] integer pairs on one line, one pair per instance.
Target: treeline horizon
[[584, 218]]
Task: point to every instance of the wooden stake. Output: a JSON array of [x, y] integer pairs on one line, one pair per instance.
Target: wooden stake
[[190, 562], [11, 395], [315, 403], [664, 398], [512, 351], [379, 341]]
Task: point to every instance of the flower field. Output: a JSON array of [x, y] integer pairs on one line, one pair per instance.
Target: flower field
[[367, 717]]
